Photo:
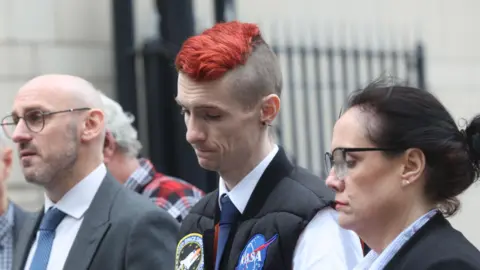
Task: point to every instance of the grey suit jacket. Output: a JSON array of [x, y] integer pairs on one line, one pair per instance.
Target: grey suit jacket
[[20, 218], [120, 230]]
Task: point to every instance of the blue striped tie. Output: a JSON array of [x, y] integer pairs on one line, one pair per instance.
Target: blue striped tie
[[228, 217], [49, 223]]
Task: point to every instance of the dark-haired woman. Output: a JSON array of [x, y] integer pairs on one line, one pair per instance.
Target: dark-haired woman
[[398, 161]]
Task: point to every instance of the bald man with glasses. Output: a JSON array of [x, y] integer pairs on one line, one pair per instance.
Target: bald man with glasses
[[89, 221]]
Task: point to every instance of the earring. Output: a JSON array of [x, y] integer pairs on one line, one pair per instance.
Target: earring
[[406, 182]]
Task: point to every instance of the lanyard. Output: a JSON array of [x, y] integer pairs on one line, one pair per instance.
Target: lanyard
[[217, 229]]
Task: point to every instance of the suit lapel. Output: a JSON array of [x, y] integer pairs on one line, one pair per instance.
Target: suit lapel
[[85, 245], [96, 223], [436, 223], [279, 168], [19, 217], [26, 239]]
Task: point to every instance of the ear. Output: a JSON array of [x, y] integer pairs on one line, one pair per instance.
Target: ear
[[7, 161], [270, 108], [414, 165], [93, 125], [109, 147]]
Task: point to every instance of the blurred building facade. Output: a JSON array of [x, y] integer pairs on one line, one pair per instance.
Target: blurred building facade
[[75, 37]]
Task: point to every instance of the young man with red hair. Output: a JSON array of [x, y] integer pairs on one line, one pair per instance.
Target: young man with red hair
[[267, 213]]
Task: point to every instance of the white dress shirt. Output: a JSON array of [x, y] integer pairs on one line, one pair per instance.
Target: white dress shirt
[[74, 204], [322, 245]]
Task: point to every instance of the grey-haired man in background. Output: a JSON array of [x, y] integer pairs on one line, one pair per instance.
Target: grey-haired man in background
[[120, 152]]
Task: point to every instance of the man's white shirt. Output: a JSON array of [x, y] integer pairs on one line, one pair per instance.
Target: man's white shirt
[[74, 204], [322, 245]]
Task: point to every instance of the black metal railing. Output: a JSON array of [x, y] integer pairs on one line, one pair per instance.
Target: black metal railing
[[317, 81]]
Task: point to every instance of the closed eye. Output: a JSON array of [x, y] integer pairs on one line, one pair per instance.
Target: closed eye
[[351, 163], [213, 116]]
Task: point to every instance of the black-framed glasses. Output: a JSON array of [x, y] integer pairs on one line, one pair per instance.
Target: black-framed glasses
[[34, 120], [338, 159]]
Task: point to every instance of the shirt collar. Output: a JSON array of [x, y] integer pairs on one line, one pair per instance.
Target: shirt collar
[[374, 260], [141, 176], [241, 193], [78, 199], [6, 221]]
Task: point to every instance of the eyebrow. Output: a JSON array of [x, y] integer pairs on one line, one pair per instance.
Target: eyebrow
[[31, 108], [202, 106]]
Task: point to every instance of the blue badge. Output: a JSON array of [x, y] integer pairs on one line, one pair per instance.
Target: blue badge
[[255, 252]]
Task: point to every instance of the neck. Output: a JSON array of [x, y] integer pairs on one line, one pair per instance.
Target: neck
[[125, 166], [379, 236], [234, 176], [65, 180]]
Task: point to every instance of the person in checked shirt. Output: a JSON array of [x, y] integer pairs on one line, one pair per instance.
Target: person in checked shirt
[[12, 216], [120, 152]]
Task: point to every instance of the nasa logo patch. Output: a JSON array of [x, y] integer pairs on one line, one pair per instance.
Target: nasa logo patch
[[189, 253], [255, 252]]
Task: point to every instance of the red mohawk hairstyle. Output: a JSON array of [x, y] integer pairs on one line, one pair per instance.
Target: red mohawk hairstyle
[[208, 56]]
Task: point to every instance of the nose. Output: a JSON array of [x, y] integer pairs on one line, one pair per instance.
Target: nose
[[21, 133], [334, 183], [195, 133]]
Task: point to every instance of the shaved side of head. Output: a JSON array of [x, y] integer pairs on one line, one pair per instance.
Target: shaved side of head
[[236, 53]]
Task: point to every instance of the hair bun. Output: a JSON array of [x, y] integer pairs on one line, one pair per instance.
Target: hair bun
[[472, 134]]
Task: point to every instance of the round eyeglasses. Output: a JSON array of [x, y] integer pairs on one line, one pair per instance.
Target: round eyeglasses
[[338, 159], [34, 120]]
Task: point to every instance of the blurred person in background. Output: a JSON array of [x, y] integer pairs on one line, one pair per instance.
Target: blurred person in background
[[12, 217], [397, 164], [267, 213], [120, 153], [88, 221]]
